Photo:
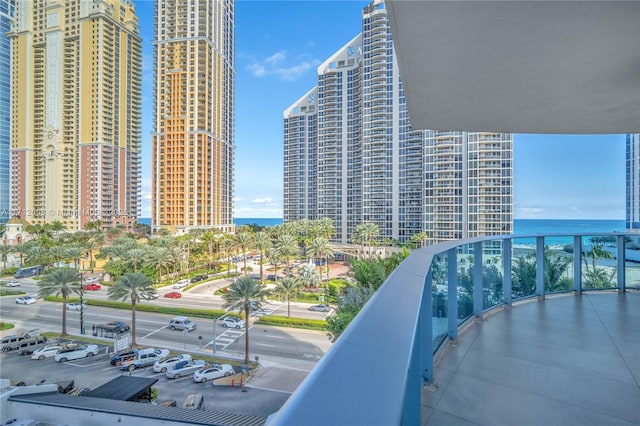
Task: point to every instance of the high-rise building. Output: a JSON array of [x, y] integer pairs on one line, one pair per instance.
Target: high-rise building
[[351, 154], [193, 139], [6, 15], [300, 176], [633, 182], [76, 101]]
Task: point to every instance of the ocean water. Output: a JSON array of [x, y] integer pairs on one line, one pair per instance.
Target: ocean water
[[563, 226], [238, 221], [520, 227]]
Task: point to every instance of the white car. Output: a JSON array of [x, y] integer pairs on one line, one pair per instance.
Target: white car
[[162, 366], [47, 351], [76, 306], [82, 351], [13, 283], [232, 322], [25, 300], [214, 372]]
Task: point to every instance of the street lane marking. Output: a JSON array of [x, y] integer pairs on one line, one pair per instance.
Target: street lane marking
[[154, 332], [273, 337], [264, 344]]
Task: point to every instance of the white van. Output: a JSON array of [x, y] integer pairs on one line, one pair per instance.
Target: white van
[[181, 284]]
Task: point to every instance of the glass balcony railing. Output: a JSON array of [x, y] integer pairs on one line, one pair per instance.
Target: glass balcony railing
[[375, 372]]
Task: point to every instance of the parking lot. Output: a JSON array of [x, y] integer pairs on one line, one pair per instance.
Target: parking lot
[[94, 371]]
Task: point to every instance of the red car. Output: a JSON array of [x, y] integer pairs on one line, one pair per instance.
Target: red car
[[173, 295], [91, 287]]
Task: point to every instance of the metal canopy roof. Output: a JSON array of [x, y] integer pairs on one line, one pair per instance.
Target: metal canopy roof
[[520, 66], [123, 388]]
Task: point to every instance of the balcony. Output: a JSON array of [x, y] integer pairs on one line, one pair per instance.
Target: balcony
[[493, 354]]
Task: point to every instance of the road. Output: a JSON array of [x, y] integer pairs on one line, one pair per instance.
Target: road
[[283, 345]]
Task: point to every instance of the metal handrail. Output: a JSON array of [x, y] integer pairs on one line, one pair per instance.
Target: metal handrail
[[374, 373]]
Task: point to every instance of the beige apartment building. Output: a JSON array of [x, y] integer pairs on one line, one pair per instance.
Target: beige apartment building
[[76, 102], [193, 139]]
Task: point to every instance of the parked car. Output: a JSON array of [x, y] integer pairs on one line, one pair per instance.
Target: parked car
[[173, 295], [92, 280], [28, 346], [215, 371], [13, 283], [144, 358], [122, 356], [25, 300], [91, 287], [12, 342], [49, 351], [232, 322], [181, 283], [182, 323], [271, 277], [82, 351], [162, 366], [76, 306], [184, 368], [320, 308]]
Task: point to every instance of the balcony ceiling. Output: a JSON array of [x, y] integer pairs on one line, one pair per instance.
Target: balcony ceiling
[[520, 66]]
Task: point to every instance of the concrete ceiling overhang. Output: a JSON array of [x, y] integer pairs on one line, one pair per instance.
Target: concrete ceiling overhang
[[520, 66]]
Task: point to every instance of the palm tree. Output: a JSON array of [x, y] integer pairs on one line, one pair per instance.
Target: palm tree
[[4, 253], [90, 245], [419, 239], [243, 241], [319, 249], [228, 245], [289, 287], [262, 243], [74, 252], [37, 255], [130, 287], [58, 253], [310, 275], [287, 247], [239, 296], [366, 233], [136, 256], [159, 257], [61, 282]]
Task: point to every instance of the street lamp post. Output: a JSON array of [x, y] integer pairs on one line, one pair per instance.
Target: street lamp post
[[81, 305]]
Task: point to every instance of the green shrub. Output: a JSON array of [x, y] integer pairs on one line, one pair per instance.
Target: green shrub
[[10, 271], [192, 312], [10, 292], [311, 324]]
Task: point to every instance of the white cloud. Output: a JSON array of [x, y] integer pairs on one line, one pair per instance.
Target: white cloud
[[279, 64], [264, 200], [276, 57], [257, 70], [236, 199]]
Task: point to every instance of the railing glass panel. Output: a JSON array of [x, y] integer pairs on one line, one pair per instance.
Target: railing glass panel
[[558, 264], [440, 287], [599, 266], [523, 268], [492, 274]]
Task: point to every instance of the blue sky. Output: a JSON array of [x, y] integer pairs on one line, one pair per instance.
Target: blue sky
[[279, 45]]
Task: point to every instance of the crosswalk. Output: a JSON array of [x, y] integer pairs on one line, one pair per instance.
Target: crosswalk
[[230, 335]]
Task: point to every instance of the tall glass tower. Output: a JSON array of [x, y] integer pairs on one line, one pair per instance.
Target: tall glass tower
[[351, 154], [6, 14]]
